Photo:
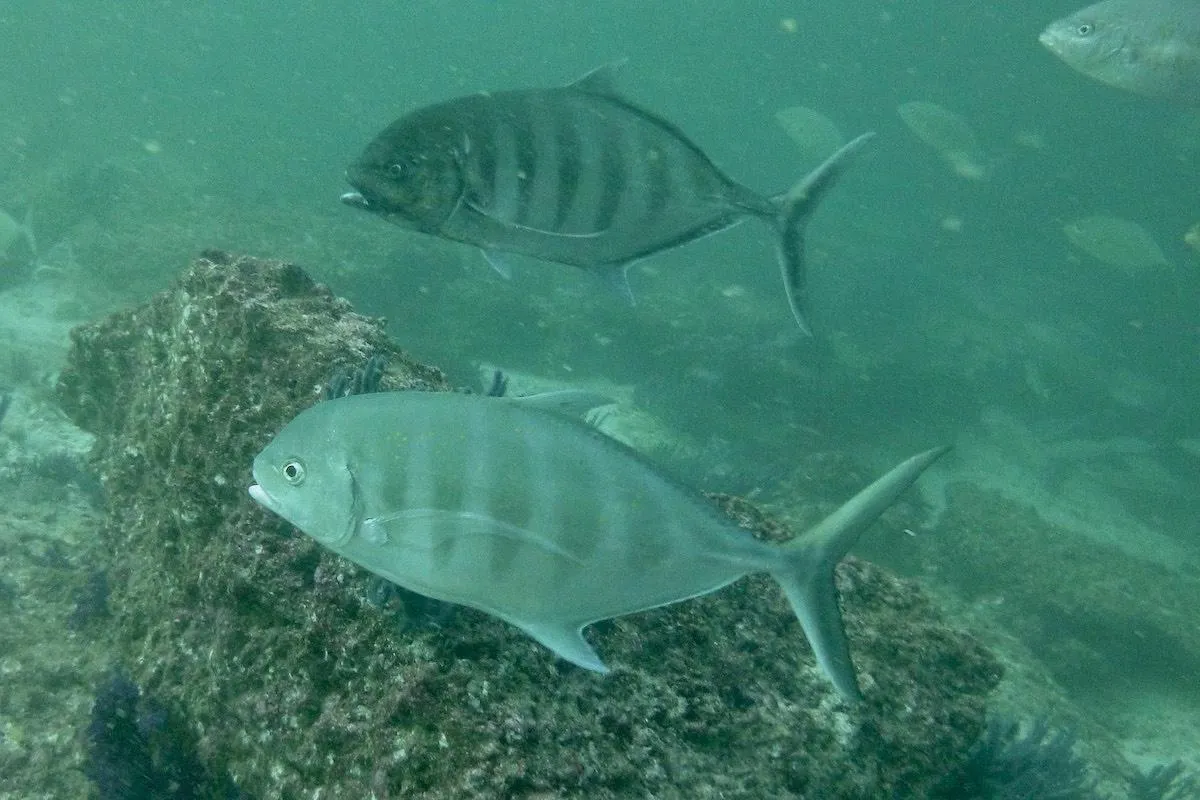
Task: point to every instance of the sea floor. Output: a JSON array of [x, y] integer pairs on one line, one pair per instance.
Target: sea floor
[[1029, 544]]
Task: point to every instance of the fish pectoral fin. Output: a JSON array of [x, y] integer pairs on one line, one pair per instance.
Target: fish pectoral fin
[[483, 211], [498, 263], [425, 528], [567, 642]]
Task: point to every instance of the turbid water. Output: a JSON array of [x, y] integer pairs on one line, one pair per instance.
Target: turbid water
[[1003, 268]]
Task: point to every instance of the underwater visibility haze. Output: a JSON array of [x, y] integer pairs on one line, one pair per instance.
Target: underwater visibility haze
[[987, 223]]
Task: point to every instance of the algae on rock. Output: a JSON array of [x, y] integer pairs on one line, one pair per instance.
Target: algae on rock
[[298, 685]]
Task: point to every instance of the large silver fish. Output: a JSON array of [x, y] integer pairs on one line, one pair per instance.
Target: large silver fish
[[1151, 47], [575, 175], [520, 509]]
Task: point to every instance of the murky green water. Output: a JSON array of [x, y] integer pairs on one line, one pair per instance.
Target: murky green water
[[952, 299]]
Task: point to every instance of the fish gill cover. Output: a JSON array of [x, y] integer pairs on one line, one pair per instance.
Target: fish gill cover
[[297, 682]]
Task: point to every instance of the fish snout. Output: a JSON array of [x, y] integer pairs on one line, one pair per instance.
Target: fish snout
[[355, 199], [1050, 41], [262, 498]]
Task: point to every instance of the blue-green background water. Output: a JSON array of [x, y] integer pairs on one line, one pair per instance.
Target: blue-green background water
[[946, 309]]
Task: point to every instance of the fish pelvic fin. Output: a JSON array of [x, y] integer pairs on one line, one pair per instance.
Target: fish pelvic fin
[[805, 569], [793, 209], [566, 641]]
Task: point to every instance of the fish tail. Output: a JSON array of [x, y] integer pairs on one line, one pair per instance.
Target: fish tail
[[793, 209], [805, 569]]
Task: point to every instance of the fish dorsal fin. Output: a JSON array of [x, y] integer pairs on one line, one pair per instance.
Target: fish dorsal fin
[[567, 402], [601, 80], [566, 640]]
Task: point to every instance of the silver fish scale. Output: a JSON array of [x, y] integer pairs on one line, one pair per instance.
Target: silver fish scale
[[534, 506], [512, 507], [586, 178], [585, 510], [573, 175]]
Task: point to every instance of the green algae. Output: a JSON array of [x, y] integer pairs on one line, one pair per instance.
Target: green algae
[[296, 684]]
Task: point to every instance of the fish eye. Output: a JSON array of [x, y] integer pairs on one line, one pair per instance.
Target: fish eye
[[396, 170], [293, 472], [1085, 29]]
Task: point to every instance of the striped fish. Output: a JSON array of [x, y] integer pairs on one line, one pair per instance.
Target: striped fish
[[575, 175], [517, 507]]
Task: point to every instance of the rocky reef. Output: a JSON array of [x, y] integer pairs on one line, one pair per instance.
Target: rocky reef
[[296, 684]]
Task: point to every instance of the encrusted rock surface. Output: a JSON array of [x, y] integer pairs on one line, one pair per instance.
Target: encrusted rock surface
[[300, 687]]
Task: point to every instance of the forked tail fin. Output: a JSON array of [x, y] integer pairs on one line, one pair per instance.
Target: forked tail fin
[[792, 212], [805, 569]]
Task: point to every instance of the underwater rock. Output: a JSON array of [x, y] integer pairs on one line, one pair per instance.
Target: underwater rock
[[1008, 764], [300, 685], [139, 750]]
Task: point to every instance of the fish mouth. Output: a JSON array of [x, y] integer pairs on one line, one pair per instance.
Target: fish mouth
[[1048, 41], [355, 199], [263, 499]]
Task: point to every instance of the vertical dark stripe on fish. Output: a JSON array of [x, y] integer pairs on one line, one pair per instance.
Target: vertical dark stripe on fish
[[541, 196], [582, 202], [569, 150], [479, 467], [658, 181], [527, 211], [630, 213], [505, 192], [613, 179], [482, 157]]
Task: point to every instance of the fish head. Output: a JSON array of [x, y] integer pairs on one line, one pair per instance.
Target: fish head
[[407, 179], [304, 477], [1097, 42]]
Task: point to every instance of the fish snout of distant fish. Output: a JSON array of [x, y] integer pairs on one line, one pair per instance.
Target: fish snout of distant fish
[[1051, 41], [355, 200]]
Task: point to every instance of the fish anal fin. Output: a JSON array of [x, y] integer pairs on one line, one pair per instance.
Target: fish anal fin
[[616, 278], [601, 80], [566, 641], [498, 262]]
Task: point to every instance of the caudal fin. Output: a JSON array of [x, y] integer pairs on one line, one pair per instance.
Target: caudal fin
[[806, 568], [792, 212]]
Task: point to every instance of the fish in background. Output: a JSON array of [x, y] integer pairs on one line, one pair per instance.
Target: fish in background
[[12, 231], [949, 134], [574, 175], [517, 507], [1151, 47]]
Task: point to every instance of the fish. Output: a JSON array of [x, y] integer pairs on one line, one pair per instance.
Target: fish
[[813, 133], [11, 231], [1149, 47], [1118, 243], [1192, 237], [519, 508], [574, 175], [949, 134]]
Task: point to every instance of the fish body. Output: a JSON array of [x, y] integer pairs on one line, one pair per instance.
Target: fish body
[[1151, 47], [520, 509], [575, 175]]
